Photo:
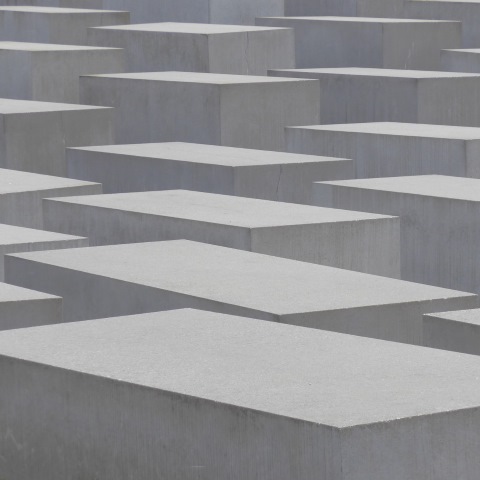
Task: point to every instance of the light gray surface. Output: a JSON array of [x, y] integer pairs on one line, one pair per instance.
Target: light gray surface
[[197, 47], [137, 278], [234, 396], [461, 60], [360, 8], [233, 110], [208, 168], [362, 242], [383, 149]]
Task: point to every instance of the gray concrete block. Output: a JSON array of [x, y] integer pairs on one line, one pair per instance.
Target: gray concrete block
[[233, 110], [115, 280], [349, 8], [242, 399], [465, 60], [355, 241], [393, 149], [22, 308], [50, 73], [33, 135], [21, 195], [197, 47], [206, 168], [440, 229], [392, 43], [54, 25], [353, 95]]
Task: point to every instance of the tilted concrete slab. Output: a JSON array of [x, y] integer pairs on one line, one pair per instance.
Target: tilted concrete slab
[[461, 60], [234, 110], [440, 230], [384, 149], [392, 43], [114, 280], [50, 73], [207, 168], [21, 195], [194, 47], [353, 95], [355, 241], [243, 399], [34, 135], [54, 25]]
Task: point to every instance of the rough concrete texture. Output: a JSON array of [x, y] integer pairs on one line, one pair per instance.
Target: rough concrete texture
[[461, 60], [114, 280], [207, 168], [194, 47]]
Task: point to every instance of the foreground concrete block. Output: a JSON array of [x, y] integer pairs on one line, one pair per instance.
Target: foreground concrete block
[[21, 195], [197, 47], [206, 168], [355, 241], [393, 149], [440, 231], [50, 73], [392, 43], [233, 110], [352, 95], [466, 60], [144, 277], [54, 25]]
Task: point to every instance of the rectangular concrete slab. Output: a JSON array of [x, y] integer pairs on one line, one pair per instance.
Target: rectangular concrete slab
[[392, 43], [232, 110], [242, 399], [114, 280], [21, 195], [50, 73], [207, 168], [461, 60], [355, 241], [353, 95], [194, 47], [352, 8], [384, 149], [440, 229]]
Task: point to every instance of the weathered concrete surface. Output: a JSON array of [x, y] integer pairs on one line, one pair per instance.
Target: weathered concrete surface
[[144, 277], [461, 60], [355, 241], [194, 47], [369, 42], [388, 149], [207, 168], [233, 110], [352, 8]]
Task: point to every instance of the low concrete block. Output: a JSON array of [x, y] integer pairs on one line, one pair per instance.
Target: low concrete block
[[233, 110], [393, 149], [206, 168], [465, 60], [194, 47]]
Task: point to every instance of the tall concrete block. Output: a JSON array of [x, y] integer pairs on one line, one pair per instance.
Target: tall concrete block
[[34, 135], [349, 8], [392, 43], [232, 110], [440, 229], [21, 195], [114, 280], [54, 25], [206, 168], [50, 73], [393, 149], [197, 47], [355, 241], [461, 60], [353, 95]]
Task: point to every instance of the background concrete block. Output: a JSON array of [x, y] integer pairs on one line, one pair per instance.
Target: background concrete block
[[21, 195], [392, 43], [352, 95], [50, 73], [352, 8], [233, 110], [393, 149], [54, 25], [197, 47], [440, 229], [34, 135], [466, 60], [207, 168], [355, 241], [144, 277]]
